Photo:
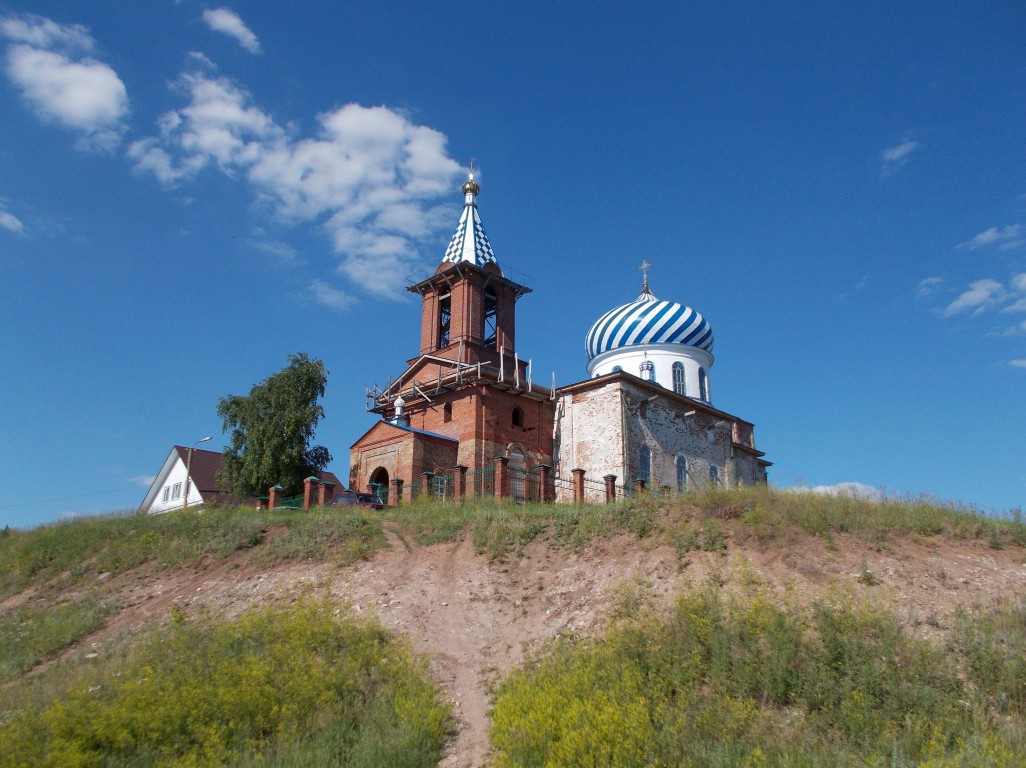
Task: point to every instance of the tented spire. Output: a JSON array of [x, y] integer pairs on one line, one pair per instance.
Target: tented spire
[[470, 243]]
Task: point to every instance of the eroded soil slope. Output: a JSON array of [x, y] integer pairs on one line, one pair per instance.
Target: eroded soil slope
[[475, 619]]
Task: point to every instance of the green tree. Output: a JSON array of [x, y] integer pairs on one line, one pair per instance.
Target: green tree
[[271, 430]]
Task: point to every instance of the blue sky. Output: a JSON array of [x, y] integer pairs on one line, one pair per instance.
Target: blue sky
[[190, 192]]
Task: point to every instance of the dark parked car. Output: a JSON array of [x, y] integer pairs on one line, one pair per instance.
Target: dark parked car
[[355, 499]]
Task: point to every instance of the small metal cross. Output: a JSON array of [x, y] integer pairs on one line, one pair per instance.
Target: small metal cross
[[645, 266]]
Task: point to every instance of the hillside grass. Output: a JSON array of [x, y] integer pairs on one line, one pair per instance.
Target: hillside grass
[[301, 685], [65, 564], [55, 589], [79, 550], [737, 680], [705, 519]]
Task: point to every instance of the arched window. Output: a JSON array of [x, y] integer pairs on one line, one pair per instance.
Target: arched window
[[682, 473], [703, 385], [444, 320], [714, 475], [648, 371], [491, 305], [645, 464], [643, 409], [518, 417], [447, 413], [679, 384]]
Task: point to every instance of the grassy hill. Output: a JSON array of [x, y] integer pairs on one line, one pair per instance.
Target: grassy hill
[[750, 627]]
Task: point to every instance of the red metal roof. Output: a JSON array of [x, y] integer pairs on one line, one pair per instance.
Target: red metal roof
[[206, 465]]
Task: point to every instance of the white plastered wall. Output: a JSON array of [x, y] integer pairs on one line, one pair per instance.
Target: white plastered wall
[[662, 357]]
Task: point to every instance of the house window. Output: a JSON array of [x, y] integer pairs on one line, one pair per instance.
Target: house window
[[714, 475], [444, 319], [491, 305], [645, 464], [167, 493], [643, 409], [518, 417], [648, 371], [678, 379], [703, 385], [682, 473], [447, 413], [176, 491]]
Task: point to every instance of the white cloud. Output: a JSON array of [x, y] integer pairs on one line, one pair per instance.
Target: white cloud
[[9, 221], [980, 296], [79, 93], [283, 253], [1020, 363], [143, 481], [228, 22], [895, 157], [1005, 237], [369, 176], [329, 296], [852, 489], [41, 32], [927, 286]]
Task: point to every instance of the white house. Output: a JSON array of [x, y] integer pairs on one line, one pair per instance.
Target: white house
[[168, 490], [169, 487]]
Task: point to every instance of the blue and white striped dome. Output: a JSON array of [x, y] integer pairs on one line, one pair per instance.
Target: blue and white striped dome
[[648, 320]]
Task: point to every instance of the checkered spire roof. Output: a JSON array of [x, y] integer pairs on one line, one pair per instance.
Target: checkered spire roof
[[469, 242]]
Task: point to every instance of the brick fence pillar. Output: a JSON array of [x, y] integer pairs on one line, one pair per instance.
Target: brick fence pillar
[[397, 492], [325, 493], [578, 485], [501, 476], [639, 485], [543, 481], [309, 489], [261, 502], [426, 482], [274, 496], [459, 481], [610, 488]]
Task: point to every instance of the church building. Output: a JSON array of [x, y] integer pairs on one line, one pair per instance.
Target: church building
[[464, 418], [467, 397]]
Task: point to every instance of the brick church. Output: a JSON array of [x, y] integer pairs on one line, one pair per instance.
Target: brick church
[[466, 419]]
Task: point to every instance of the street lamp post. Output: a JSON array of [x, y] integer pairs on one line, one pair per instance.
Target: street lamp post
[[188, 470]]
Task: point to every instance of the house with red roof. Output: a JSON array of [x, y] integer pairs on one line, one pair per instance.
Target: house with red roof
[[180, 480]]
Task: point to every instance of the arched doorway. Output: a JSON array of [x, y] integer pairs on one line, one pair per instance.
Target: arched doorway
[[379, 483]]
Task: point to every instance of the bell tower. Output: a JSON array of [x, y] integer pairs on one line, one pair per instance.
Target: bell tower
[[469, 306], [467, 399]]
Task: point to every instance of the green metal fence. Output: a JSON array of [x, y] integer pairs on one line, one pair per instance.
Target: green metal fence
[[481, 482]]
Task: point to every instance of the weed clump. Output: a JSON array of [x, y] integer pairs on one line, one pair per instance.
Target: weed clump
[[729, 681], [285, 686]]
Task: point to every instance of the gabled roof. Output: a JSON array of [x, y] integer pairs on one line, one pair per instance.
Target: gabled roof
[[204, 468], [203, 475], [389, 425]]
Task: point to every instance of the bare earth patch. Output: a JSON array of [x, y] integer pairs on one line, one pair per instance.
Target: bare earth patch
[[475, 619]]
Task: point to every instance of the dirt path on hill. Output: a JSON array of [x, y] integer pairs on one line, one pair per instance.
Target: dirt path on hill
[[474, 619]]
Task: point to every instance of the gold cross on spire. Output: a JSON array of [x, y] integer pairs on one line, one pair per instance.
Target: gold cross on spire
[[645, 266], [472, 166]]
